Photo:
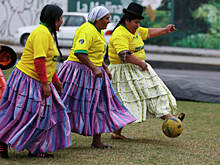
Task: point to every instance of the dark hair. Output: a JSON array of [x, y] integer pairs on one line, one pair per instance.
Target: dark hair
[[126, 16], [49, 15]]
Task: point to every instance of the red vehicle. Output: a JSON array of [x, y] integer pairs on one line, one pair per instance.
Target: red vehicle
[[8, 59]]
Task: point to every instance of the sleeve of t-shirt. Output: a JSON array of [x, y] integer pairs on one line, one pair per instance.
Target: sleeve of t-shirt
[[120, 43], [41, 44], [143, 32], [83, 42]]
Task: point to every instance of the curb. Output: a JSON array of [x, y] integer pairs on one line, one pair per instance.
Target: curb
[[183, 66], [182, 51]]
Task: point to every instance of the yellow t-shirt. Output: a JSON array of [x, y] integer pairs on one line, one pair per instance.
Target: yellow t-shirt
[[122, 40], [89, 40], [40, 43]]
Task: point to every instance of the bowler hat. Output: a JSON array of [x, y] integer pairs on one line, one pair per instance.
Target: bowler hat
[[8, 57], [134, 9]]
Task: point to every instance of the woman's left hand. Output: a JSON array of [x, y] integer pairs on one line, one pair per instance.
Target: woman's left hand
[[59, 87], [46, 89], [171, 28], [143, 65]]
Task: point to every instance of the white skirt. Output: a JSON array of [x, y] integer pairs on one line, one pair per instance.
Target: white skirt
[[142, 92]]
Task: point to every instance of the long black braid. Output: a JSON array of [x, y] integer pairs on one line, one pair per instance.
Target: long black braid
[[49, 15]]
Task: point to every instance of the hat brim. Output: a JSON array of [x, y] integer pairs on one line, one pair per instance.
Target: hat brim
[[8, 57], [133, 14]]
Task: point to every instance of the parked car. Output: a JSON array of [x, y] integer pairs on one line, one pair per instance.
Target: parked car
[[71, 22], [108, 31]]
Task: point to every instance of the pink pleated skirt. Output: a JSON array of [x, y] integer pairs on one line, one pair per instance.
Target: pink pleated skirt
[[31, 121], [92, 106], [2, 83]]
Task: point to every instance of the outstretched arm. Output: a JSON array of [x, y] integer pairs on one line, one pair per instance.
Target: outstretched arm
[[155, 32]]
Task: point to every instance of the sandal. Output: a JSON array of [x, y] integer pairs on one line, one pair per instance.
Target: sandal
[[101, 147], [181, 116], [3, 150], [40, 155], [117, 136]]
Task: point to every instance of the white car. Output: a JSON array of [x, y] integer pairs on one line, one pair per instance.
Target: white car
[[108, 31], [71, 22]]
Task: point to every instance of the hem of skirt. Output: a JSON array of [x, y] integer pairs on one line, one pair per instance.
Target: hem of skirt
[[74, 131], [22, 149], [50, 150], [152, 116]]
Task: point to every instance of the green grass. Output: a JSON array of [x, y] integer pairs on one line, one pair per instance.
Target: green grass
[[198, 144], [7, 72]]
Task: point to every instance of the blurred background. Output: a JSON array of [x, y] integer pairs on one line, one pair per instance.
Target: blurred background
[[197, 21]]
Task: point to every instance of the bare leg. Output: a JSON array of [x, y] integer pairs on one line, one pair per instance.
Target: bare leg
[[166, 116], [118, 131], [117, 134], [96, 142]]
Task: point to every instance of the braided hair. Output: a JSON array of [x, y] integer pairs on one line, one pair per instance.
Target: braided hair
[[49, 15]]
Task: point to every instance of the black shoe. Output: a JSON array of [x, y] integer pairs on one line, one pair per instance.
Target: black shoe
[[40, 155], [181, 116]]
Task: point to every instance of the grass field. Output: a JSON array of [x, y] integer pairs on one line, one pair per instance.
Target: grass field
[[198, 144]]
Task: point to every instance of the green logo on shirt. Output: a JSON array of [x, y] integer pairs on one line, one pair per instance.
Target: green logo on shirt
[[138, 48]]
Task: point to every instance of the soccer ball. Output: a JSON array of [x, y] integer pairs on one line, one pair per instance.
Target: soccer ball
[[172, 127]]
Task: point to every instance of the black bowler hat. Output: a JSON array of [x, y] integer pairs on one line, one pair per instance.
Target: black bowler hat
[[8, 57], [134, 9]]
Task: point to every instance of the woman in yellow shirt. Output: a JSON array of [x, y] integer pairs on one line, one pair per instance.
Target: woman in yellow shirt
[[32, 114], [135, 82], [92, 105]]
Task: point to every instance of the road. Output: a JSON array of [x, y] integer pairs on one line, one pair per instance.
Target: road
[[192, 85]]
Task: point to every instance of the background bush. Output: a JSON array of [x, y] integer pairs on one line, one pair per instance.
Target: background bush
[[197, 23]]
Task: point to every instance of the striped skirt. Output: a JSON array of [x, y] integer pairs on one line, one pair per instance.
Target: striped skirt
[[92, 106], [31, 121], [2, 83], [142, 92]]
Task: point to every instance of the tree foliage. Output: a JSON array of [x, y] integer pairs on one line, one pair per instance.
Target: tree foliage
[[210, 14], [183, 18]]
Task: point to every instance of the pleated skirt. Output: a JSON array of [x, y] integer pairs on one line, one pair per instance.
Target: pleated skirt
[[30, 121], [2, 83], [92, 106], [142, 92]]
